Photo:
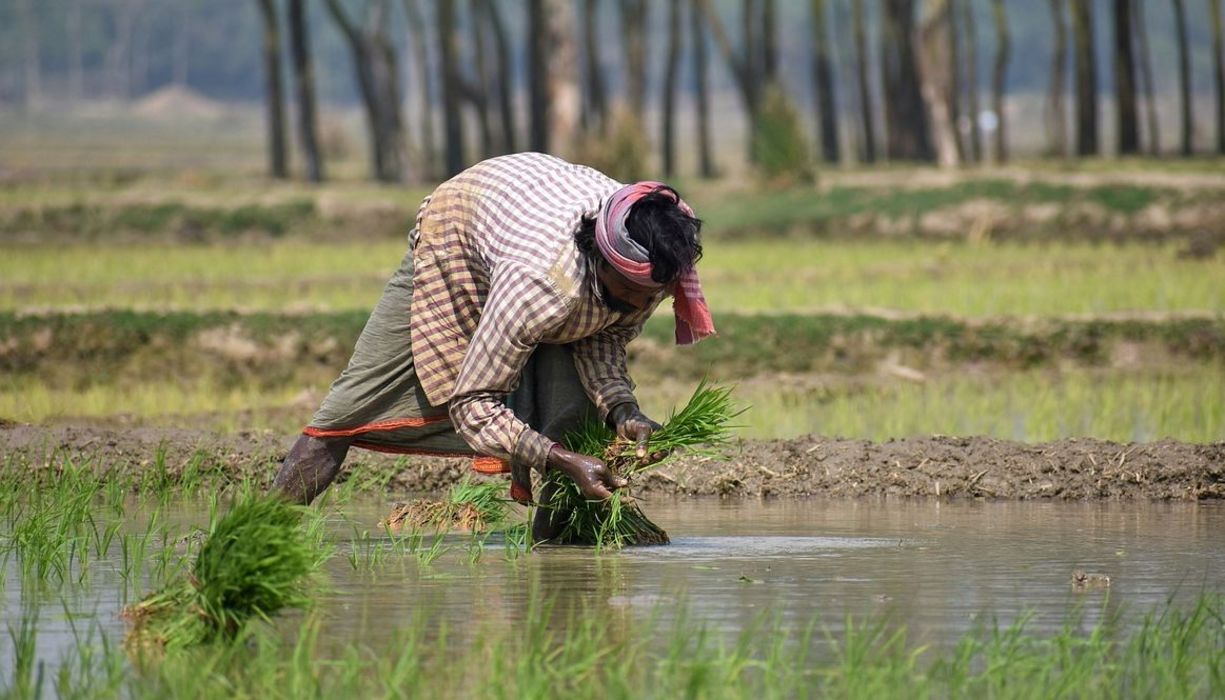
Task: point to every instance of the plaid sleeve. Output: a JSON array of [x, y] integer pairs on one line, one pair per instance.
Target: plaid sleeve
[[600, 360], [521, 307]]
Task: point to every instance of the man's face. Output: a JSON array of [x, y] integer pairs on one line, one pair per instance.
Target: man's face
[[622, 295]]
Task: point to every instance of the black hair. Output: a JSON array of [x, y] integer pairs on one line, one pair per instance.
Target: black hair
[[671, 237]]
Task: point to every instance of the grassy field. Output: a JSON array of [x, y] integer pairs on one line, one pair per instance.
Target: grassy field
[[769, 276]]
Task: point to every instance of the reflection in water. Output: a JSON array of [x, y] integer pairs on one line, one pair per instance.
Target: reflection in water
[[938, 568]]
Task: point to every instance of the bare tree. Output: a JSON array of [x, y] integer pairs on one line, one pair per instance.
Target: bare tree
[[1054, 97], [304, 89], [634, 42], [181, 57], [1184, 78], [1086, 78], [999, 88], [823, 83], [417, 29], [906, 119], [745, 66], [537, 71], [862, 69], [671, 73], [956, 81], [1218, 72], [701, 90], [274, 90], [1125, 79], [448, 70], [504, 85], [972, 105], [769, 41], [595, 94], [936, 71], [1139, 26], [374, 60], [479, 88], [565, 93]]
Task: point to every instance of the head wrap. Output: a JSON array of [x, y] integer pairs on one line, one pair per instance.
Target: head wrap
[[693, 321]]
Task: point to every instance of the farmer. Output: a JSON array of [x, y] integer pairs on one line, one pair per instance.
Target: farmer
[[505, 327]]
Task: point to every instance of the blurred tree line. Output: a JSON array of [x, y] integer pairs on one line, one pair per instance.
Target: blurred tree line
[[606, 80]]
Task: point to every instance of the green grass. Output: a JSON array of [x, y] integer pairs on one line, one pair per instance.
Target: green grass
[[1171, 652], [1184, 403], [746, 277]]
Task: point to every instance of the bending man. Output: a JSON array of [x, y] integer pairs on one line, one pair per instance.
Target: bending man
[[506, 324]]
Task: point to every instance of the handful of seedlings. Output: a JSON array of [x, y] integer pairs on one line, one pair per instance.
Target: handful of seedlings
[[704, 422], [256, 560], [470, 507]]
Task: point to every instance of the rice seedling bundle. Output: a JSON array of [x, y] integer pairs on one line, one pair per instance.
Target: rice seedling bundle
[[469, 506], [256, 560], [704, 423]]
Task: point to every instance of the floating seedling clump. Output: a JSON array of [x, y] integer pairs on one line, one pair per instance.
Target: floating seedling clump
[[703, 423], [469, 506], [255, 561]]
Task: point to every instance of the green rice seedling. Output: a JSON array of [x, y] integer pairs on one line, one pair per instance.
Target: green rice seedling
[[703, 423], [255, 561], [469, 506]]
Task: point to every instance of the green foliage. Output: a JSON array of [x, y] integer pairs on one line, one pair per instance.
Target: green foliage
[[780, 149]]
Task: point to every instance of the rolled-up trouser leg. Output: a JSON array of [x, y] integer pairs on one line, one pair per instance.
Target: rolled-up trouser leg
[[312, 464]]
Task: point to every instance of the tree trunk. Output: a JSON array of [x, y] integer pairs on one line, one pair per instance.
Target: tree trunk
[[595, 102], [304, 84], [936, 71], [1056, 133], [1125, 79], [505, 82], [538, 79], [1086, 78], [742, 66], [972, 105], [823, 84], [908, 136], [999, 88], [76, 61], [862, 70], [565, 92], [274, 91], [481, 85], [634, 42], [418, 32], [671, 72], [448, 57], [1218, 72], [1184, 78], [956, 83], [377, 79], [1139, 26], [769, 42], [701, 90], [30, 55]]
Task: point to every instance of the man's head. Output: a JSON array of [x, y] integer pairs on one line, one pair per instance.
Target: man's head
[[649, 240]]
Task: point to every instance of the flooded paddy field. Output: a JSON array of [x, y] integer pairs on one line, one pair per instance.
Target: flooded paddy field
[[757, 584]]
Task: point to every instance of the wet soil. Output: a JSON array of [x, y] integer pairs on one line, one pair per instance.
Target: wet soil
[[938, 466]]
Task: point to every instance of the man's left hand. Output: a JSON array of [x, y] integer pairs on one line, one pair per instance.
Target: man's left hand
[[633, 426]]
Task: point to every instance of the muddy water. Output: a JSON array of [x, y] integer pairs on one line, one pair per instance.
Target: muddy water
[[938, 568]]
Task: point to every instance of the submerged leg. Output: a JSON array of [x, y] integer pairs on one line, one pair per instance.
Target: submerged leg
[[312, 464]]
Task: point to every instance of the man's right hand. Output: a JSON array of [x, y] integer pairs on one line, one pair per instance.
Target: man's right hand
[[593, 477]]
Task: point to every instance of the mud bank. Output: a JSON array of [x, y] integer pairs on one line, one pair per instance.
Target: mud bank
[[942, 467]]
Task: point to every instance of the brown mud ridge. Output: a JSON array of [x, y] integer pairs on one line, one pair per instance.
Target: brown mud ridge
[[944, 467]]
